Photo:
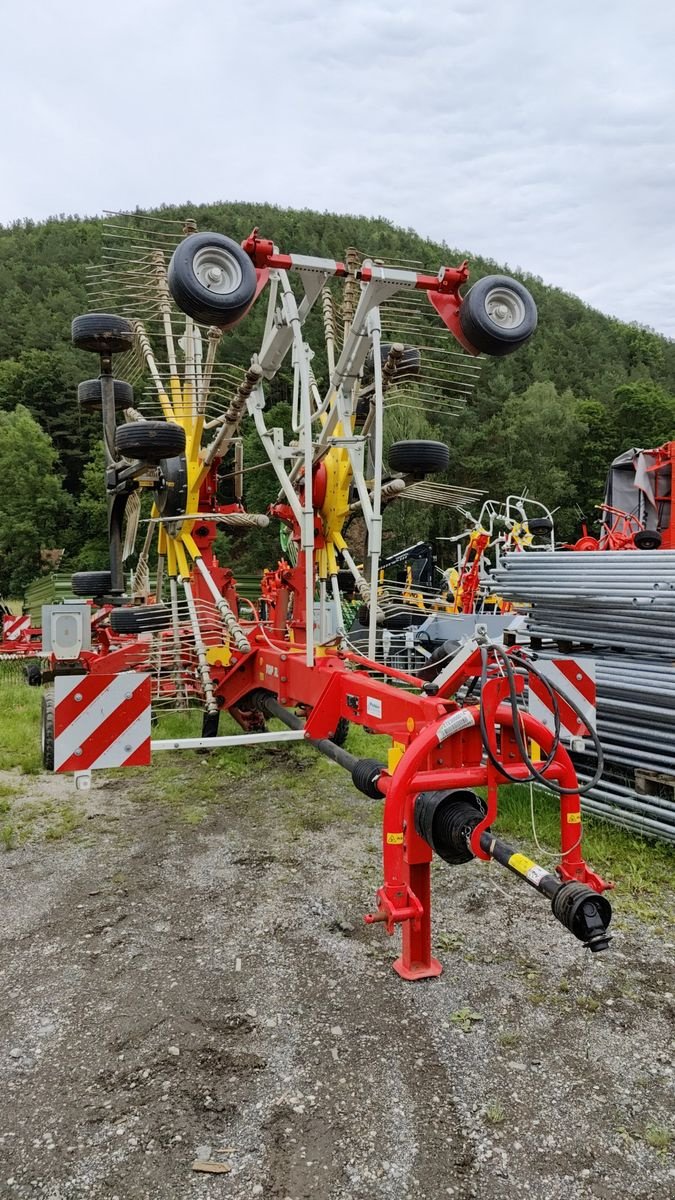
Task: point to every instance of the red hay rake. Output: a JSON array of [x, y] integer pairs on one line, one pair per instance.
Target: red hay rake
[[288, 656]]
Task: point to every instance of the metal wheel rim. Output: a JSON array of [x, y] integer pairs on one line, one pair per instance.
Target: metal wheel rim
[[217, 270], [505, 308]]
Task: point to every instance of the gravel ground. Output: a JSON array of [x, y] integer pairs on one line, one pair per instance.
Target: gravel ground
[[174, 992]]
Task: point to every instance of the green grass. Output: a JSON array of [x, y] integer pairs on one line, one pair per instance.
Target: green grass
[[495, 1113], [658, 1137], [20, 727]]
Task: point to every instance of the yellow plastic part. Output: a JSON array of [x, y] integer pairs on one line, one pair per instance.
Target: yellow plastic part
[[219, 655]]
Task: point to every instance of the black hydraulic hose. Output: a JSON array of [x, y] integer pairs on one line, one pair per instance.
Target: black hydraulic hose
[[536, 771], [525, 662], [483, 727], [508, 667]]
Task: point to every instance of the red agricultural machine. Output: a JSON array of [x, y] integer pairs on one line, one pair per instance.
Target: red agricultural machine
[[637, 513], [287, 656]]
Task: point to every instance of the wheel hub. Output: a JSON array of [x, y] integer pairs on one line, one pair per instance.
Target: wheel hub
[[504, 308], [217, 270]]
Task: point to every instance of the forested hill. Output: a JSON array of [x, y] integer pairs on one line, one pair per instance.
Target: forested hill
[[550, 417]]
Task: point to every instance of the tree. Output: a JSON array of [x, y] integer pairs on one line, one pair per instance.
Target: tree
[[34, 509], [90, 550], [643, 415], [45, 381]]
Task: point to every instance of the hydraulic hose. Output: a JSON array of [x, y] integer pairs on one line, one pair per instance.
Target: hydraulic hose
[[536, 771]]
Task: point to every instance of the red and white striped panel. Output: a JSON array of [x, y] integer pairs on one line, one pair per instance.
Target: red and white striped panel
[[101, 721], [15, 629], [572, 678]]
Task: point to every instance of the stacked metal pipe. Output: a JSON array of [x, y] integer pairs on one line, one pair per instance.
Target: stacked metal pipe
[[618, 608]]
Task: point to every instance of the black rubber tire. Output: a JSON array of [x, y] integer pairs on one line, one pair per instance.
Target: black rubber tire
[[47, 729], [341, 733], [482, 332], [89, 393], [33, 675], [142, 618], [647, 539], [404, 620], [150, 441], [195, 298], [91, 583], [540, 525], [102, 333], [419, 458]]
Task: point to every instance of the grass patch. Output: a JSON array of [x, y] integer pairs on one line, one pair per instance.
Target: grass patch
[[20, 727], [495, 1113], [658, 1137]]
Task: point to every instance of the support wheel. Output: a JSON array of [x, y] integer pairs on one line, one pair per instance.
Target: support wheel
[[540, 525], [102, 333], [89, 393], [150, 441], [647, 539], [91, 583], [340, 736], [419, 458], [143, 618], [498, 315], [47, 730], [212, 279]]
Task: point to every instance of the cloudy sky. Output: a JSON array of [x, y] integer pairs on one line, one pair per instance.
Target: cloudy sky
[[541, 135]]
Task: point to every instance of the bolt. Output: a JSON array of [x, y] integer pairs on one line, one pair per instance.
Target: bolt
[[79, 750], [78, 696], [128, 749]]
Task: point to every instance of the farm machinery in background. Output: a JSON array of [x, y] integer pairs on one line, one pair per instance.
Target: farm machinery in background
[[637, 513], [427, 611], [288, 656]]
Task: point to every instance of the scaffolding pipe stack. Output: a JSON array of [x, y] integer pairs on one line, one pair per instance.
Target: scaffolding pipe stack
[[619, 608]]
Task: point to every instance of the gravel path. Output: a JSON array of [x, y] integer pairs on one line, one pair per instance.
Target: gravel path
[[174, 992]]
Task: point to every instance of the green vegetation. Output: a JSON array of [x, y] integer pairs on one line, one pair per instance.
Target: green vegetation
[[495, 1113], [658, 1137], [20, 724], [550, 417]]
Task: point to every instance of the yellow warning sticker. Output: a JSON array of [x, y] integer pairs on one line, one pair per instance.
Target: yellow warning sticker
[[574, 818], [521, 863], [394, 839]]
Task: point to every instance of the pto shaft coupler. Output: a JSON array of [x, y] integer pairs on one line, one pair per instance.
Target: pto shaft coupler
[[581, 910], [446, 820]]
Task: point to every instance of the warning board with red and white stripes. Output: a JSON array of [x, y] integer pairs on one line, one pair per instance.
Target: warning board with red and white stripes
[[570, 678], [101, 721], [15, 629]]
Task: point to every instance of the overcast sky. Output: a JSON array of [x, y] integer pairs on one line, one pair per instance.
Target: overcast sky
[[538, 134]]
